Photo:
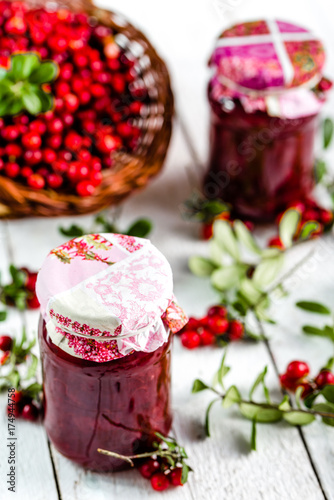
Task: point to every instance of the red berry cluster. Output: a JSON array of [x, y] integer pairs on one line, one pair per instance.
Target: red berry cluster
[[22, 405], [21, 293], [211, 329], [30, 286], [310, 211], [98, 95], [161, 474], [296, 375]]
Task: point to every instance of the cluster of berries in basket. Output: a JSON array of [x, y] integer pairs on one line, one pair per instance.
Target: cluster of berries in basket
[[214, 328], [73, 97]]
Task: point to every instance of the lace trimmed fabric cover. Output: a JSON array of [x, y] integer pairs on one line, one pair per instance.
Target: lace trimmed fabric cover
[[104, 296]]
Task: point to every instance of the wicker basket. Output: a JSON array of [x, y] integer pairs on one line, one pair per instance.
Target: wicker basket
[[131, 171]]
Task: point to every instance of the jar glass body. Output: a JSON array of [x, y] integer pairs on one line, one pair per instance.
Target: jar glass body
[[259, 163], [117, 405]]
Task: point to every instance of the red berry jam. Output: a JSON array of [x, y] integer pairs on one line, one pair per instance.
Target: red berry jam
[[117, 405], [258, 163]]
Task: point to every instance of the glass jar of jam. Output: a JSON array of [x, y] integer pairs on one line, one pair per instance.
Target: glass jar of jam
[[265, 98], [108, 314]]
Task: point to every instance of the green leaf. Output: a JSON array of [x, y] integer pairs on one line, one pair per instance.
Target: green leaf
[[31, 372], [314, 307], [33, 390], [207, 416], [23, 65], [325, 408], [184, 475], [260, 414], [253, 436], [216, 253], [308, 229], [201, 266], [3, 315], [198, 386], [298, 418], [328, 132], [330, 364], [32, 102], [327, 331], [72, 231], [259, 379], [223, 370], [288, 226], [298, 395], [140, 228], [232, 397], [227, 277], [44, 73], [46, 100], [249, 291], [267, 270], [328, 393], [224, 235], [320, 168], [285, 404], [245, 237]]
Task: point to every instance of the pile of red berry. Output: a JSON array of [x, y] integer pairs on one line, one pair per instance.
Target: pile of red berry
[[310, 211], [22, 405], [161, 474], [98, 95], [296, 375], [214, 328]]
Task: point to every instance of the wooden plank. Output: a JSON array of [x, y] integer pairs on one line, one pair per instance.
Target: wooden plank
[[34, 473], [313, 282]]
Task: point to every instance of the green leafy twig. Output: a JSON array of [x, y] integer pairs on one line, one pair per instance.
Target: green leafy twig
[[21, 86], [266, 412], [198, 209], [140, 228], [15, 292], [21, 355], [246, 284], [167, 448], [326, 331]]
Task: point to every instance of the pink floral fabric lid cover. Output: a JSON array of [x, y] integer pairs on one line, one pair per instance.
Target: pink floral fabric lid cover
[[104, 296], [259, 61]]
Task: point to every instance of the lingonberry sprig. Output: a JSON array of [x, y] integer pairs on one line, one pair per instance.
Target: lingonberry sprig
[[104, 224], [296, 379], [165, 466], [266, 412], [244, 274], [217, 327], [18, 373], [20, 292], [22, 86]]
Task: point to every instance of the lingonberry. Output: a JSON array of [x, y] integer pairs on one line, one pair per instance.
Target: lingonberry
[[206, 337], [55, 126], [107, 143], [12, 169], [326, 217], [30, 283], [54, 181], [4, 358], [148, 468], [235, 330], [54, 141], [288, 383], [71, 102], [276, 242], [36, 181], [6, 343], [32, 157], [30, 412], [192, 324], [175, 477], [31, 141], [207, 230], [85, 188], [190, 339], [32, 301], [325, 377], [217, 324], [57, 43], [217, 311], [73, 141], [13, 150], [49, 156], [297, 370], [26, 172], [10, 133], [96, 178], [159, 481], [308, 389]]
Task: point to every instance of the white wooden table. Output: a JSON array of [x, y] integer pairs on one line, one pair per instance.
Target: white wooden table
[[290, 463]]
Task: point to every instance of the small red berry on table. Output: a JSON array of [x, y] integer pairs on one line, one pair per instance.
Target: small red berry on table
[[148, 468], [297, 370], [6, 343], [175, 477], [190, 339], [235, 330], [325, 377], [159, 481]]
